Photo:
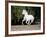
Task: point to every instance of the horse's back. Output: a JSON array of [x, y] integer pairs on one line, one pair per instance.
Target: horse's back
[[31, 16]]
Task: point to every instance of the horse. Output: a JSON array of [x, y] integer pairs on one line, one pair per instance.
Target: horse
[[29, 18]]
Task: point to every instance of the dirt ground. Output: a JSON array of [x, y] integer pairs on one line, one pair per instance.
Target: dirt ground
[[24, 27]]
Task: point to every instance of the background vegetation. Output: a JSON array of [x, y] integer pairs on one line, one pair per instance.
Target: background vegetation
[[16, 14]]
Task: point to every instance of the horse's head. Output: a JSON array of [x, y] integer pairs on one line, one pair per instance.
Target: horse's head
[[24, 12]]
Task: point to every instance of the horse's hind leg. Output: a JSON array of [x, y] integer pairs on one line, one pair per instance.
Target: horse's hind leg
[[23, 20], [30, 22]]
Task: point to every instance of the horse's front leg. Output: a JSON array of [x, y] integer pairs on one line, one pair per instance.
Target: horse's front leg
[[23, 20]]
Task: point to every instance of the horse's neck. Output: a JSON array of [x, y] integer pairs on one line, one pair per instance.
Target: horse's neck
[[26, 14]]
